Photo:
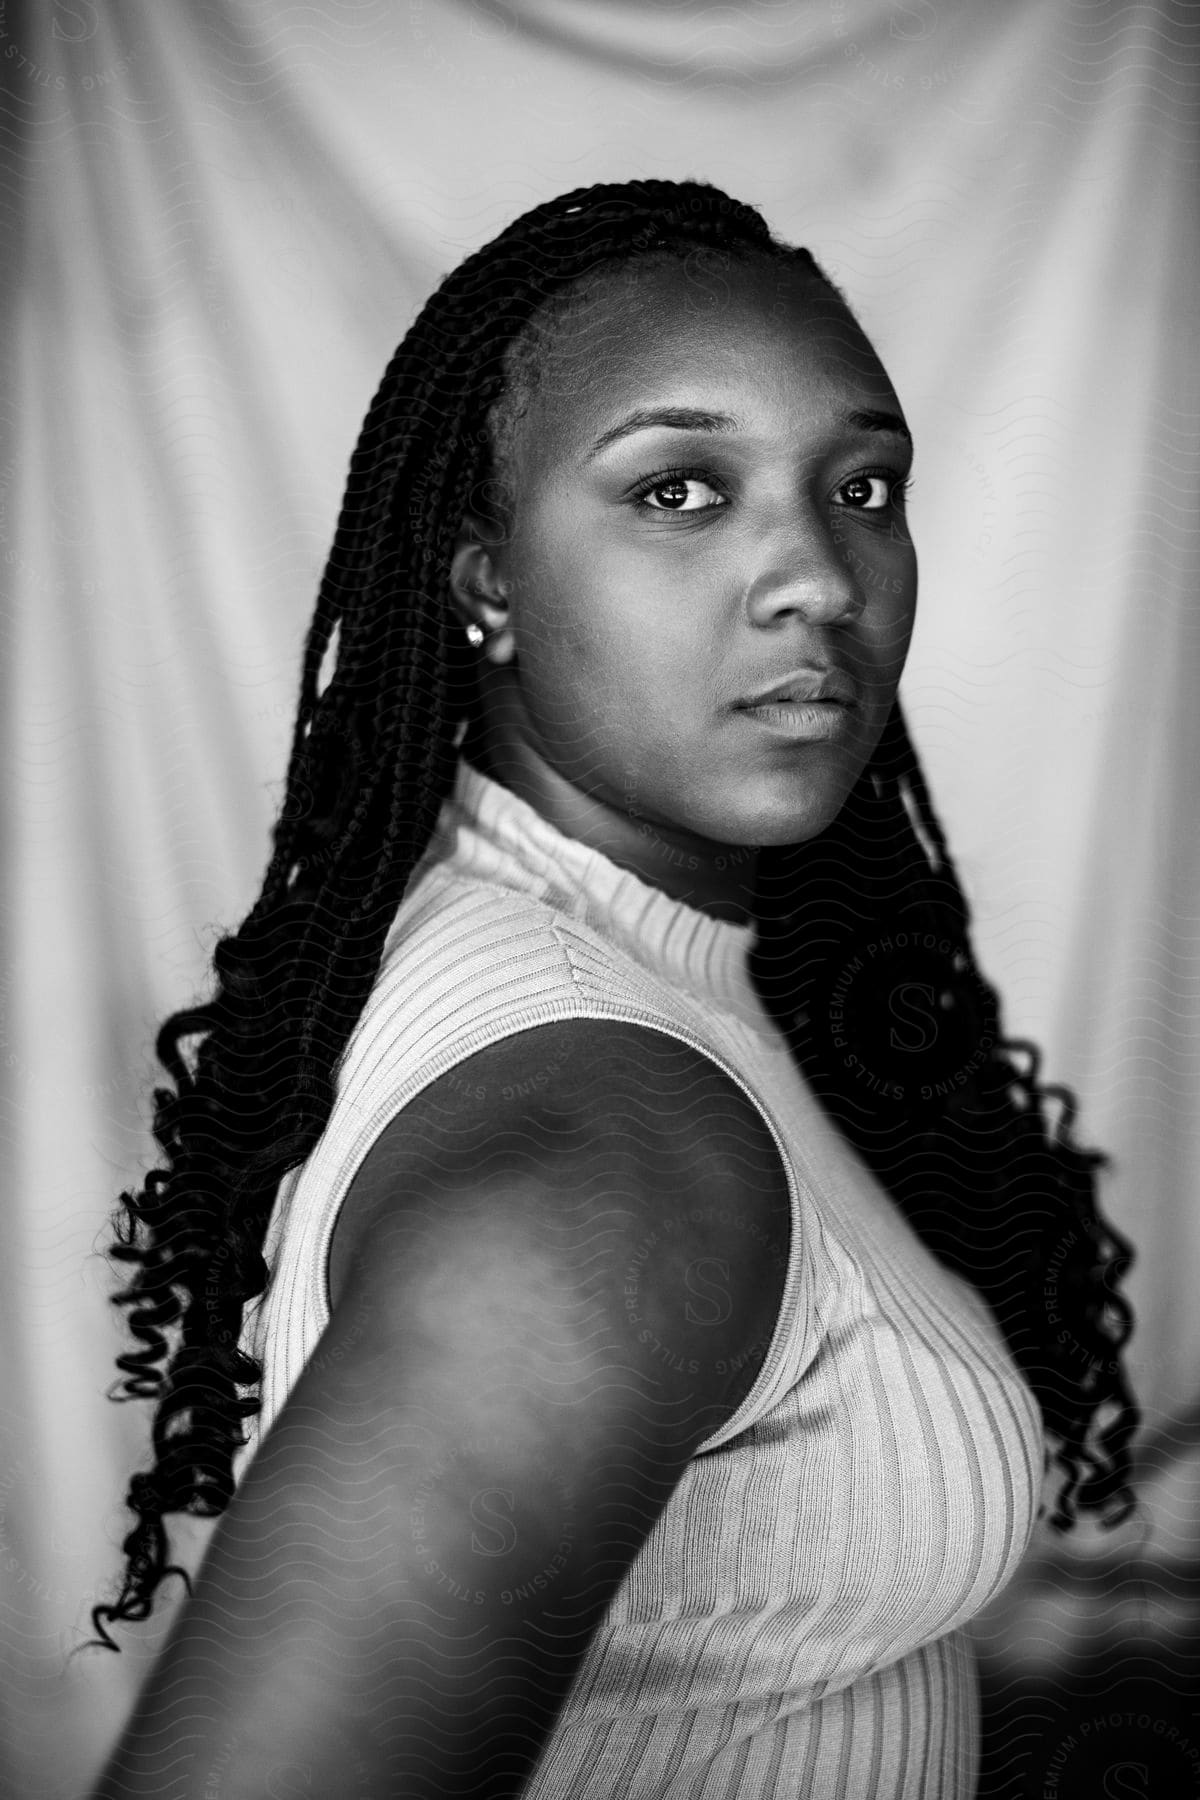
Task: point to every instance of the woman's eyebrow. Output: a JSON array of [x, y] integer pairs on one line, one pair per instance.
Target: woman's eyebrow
[[678, 418], [869, 420], [691, 418]]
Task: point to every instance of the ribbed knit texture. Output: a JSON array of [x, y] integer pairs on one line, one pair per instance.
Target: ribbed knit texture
[[792, 1625]]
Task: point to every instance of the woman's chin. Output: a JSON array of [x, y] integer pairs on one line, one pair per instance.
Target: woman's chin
[[788, 810]]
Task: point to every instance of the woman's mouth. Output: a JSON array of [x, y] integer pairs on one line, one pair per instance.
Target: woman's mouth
[[810, 720]]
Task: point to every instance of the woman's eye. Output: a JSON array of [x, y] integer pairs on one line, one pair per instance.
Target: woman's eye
[[873, 492], [680, 493]]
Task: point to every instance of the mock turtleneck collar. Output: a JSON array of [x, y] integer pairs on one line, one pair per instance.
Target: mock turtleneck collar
[[487, 831]]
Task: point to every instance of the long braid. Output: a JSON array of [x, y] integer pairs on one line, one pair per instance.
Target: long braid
[[371, 761], [935, 1100]]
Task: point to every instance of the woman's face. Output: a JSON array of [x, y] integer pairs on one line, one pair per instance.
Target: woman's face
[[705, 492]]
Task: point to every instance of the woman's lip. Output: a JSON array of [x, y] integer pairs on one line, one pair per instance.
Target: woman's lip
[[801, 718], [805, 687]]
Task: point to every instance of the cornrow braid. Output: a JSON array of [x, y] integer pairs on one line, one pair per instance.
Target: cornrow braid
[[372, 759]]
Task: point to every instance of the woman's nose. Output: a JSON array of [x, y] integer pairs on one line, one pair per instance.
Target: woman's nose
[[807, 571]]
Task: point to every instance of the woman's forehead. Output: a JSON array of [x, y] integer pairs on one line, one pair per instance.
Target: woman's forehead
[[701, 330]]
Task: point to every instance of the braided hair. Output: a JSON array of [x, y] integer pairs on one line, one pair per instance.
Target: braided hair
[[991, 1188]]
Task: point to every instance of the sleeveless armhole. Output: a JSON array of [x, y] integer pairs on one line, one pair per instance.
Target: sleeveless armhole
[[767, 1384], [283, 1328]]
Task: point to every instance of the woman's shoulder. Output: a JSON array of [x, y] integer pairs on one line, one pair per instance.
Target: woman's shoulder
[[470, 963], [610, 1139], [456, 930]]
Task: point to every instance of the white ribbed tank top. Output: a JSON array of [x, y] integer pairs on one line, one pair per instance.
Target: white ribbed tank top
[[793, 1624]]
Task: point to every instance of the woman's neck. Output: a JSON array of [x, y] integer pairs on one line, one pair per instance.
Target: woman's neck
[[714, 878]]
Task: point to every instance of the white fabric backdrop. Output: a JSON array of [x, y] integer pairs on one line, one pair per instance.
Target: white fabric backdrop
[[231, 212]]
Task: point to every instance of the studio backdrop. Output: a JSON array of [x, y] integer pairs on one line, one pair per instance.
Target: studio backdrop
[[223, 215]]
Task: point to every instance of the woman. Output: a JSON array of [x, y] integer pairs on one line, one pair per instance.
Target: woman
[[667, 1290]]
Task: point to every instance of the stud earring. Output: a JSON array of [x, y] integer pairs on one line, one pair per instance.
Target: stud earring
[[475, 635]]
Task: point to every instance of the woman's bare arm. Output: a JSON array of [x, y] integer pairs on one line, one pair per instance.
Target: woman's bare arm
[[543, 1311]]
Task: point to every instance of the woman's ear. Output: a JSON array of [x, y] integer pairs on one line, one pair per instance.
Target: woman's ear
[[479, 592]]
